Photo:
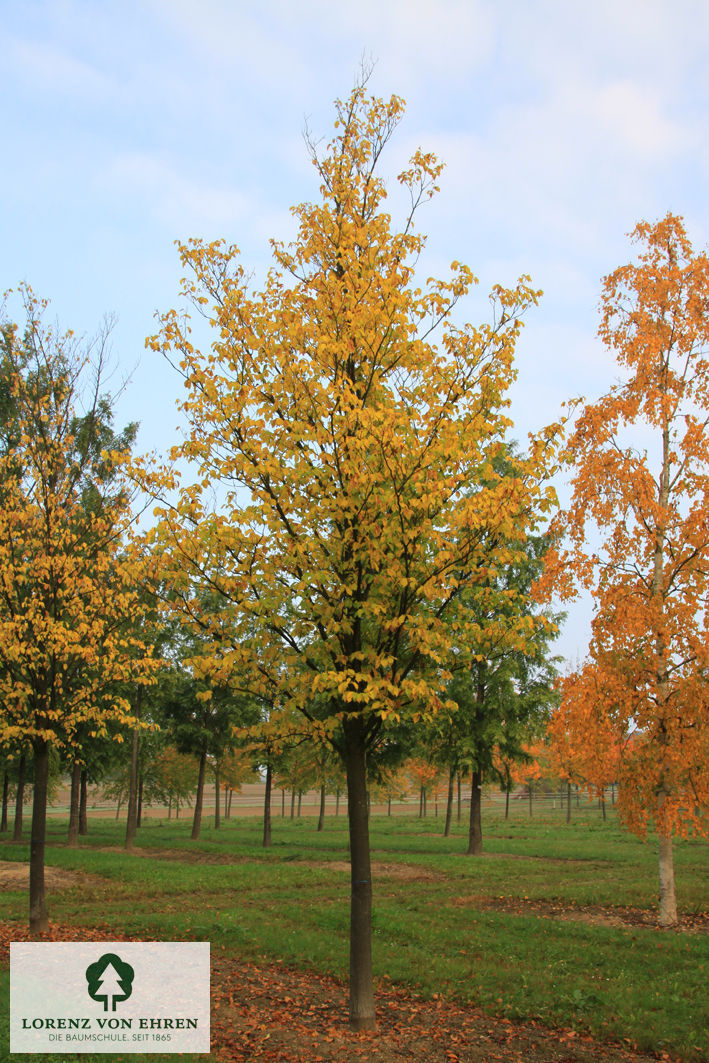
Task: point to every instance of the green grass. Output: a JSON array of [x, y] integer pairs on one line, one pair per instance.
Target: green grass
[[438, 924]]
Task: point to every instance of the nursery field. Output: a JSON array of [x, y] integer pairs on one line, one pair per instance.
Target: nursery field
[[543, 949]]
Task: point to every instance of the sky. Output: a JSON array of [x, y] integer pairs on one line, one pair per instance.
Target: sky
[[129, 125]]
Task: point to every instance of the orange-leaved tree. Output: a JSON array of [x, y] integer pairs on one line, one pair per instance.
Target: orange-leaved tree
[[641, 456], [583, 745], [348, 448], [68, 608]]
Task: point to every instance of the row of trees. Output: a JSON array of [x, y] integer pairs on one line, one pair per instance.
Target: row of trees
[[358, 556], [169, 777]]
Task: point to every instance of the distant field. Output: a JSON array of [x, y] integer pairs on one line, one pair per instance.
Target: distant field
[[555, 924]]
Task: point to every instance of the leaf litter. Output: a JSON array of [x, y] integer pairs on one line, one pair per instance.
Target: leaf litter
[[270, 1013]]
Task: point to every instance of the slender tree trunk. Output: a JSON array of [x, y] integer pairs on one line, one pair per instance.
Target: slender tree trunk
[[507, 801], [475, 832], [568, 802], [460, 797], [300, 801], [283, 803], [292, 803], [39, 919], [139, 819], [267, 806], [118, 808], [84, 803], [668, 898], [5, 800], [449, 803], [20, 798], [231, 795], [602, 800], [197, 818], [73, 837], [362, 1016], [217, 799], [132, 817], [321, 817], [530, 799], [337, 802], [169, 808]]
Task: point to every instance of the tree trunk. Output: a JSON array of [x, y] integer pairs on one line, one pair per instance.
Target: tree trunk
[[530, 798], [267, 807], [668, 899], [449, 803], [475, 832], [197, 818], [5, 800], [73, 837], [321, 817], [568, 802], [118, 808], [83, 803], [362, 1015], [460, 797], [337, 801], [132, 818], [507, 802], [139, 817], [39, 920], [169, 808], [19, 799], [292, 803], [217, 799]]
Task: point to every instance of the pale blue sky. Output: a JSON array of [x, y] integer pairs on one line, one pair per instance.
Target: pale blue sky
[[127, 125]]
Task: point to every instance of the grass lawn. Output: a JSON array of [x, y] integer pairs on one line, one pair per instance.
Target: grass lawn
[[554, 924]]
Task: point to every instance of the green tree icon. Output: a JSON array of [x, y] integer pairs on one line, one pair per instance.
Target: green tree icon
[[110, 979]]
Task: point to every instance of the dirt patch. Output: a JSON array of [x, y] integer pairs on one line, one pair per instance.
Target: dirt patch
[[404, 872], [185, 856], [15, 876], [593, 915]]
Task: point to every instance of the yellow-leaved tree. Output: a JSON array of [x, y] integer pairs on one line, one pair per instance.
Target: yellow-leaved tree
[[69, 612], [349, 427]]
